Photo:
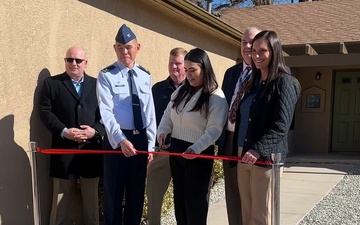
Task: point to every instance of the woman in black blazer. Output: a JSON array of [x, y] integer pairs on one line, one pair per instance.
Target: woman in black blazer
[[263, 120]]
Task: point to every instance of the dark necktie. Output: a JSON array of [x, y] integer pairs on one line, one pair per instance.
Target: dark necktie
[[240, 94], [135, 102]]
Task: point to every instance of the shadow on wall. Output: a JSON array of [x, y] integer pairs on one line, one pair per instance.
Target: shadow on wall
[[40, 135], [16, 206], [126, 10]]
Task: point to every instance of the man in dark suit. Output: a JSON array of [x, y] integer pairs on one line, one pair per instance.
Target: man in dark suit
[[234, 77], [158, 172], [69, 110]]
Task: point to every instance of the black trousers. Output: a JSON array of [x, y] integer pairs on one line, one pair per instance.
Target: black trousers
[[191, 178], [125, 177]]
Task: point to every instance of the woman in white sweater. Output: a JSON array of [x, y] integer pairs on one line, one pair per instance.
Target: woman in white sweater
[[195, 116]]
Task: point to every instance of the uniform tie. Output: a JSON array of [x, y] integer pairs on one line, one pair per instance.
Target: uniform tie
[[240, 94], [138, 123]]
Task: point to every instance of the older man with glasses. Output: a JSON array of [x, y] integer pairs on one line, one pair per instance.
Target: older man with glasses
[[69, 110], [127, 111]]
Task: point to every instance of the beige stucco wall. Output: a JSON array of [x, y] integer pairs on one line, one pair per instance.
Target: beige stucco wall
[[34, 36], [312, 129]]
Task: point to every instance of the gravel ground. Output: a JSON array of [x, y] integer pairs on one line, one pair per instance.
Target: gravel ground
[[341, 206], [217, 194]]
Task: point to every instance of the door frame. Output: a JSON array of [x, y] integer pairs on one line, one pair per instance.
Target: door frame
[[335, 71]]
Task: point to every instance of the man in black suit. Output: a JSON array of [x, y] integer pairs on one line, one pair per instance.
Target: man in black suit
[[234, 77], [69, 110]]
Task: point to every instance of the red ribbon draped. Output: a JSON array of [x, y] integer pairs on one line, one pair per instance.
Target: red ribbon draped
[[84, 151]]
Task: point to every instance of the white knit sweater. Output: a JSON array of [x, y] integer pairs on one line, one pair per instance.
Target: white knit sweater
[[192, 126]]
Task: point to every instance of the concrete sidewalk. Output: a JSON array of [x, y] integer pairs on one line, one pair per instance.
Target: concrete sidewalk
[[305, 181]]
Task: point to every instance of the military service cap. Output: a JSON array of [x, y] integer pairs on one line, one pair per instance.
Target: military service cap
[[124, 35]]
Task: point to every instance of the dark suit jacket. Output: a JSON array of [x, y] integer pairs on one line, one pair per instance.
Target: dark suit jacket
[[60, 107], [162, 92], [231, 78]]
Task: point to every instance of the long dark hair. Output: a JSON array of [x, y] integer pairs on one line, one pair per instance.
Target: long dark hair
[[277, 62], [210, 84]]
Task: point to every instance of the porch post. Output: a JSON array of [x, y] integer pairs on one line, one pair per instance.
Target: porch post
[[275, 188]]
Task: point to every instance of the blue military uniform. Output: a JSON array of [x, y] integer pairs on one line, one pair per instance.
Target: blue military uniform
[[125, 175], [117, 113]]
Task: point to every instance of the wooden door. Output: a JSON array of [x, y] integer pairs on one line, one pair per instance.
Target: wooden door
[[346, 115]]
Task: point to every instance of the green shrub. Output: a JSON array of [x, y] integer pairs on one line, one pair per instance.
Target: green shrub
[[168, 203]]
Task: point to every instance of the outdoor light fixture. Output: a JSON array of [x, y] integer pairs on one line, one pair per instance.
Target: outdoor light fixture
[[317, 76]]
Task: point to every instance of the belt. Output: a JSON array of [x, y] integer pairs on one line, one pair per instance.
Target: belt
[[134, 131]]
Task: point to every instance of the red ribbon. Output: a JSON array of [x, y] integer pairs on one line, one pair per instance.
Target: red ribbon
[[84, 151]]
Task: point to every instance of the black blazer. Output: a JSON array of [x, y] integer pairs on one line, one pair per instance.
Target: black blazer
[[270, 117], [231, 78], [162, 92], [60, 107]]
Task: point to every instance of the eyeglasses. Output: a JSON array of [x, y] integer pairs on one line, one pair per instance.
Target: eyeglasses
[[70, 60], [244, 42]]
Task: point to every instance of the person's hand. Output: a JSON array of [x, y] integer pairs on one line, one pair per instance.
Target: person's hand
[[161, 141], [85, 133], [89, 132], [127, 148], [72, 133], [250, 157], [189, 151], [150, 157]]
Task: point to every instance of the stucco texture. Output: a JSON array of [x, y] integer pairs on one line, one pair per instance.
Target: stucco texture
[[34, 36]]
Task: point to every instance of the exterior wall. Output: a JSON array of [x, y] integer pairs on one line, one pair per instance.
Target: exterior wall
[[312, 133], [34, 37], [312, 129]]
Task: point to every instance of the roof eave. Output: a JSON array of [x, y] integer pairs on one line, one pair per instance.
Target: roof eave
[[322, 48], [204, 17]]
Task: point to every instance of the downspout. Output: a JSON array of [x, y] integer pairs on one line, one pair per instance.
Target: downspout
[[209, 5]]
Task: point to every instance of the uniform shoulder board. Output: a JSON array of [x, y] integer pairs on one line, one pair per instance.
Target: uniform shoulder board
[[143, 69], [108, 69]]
